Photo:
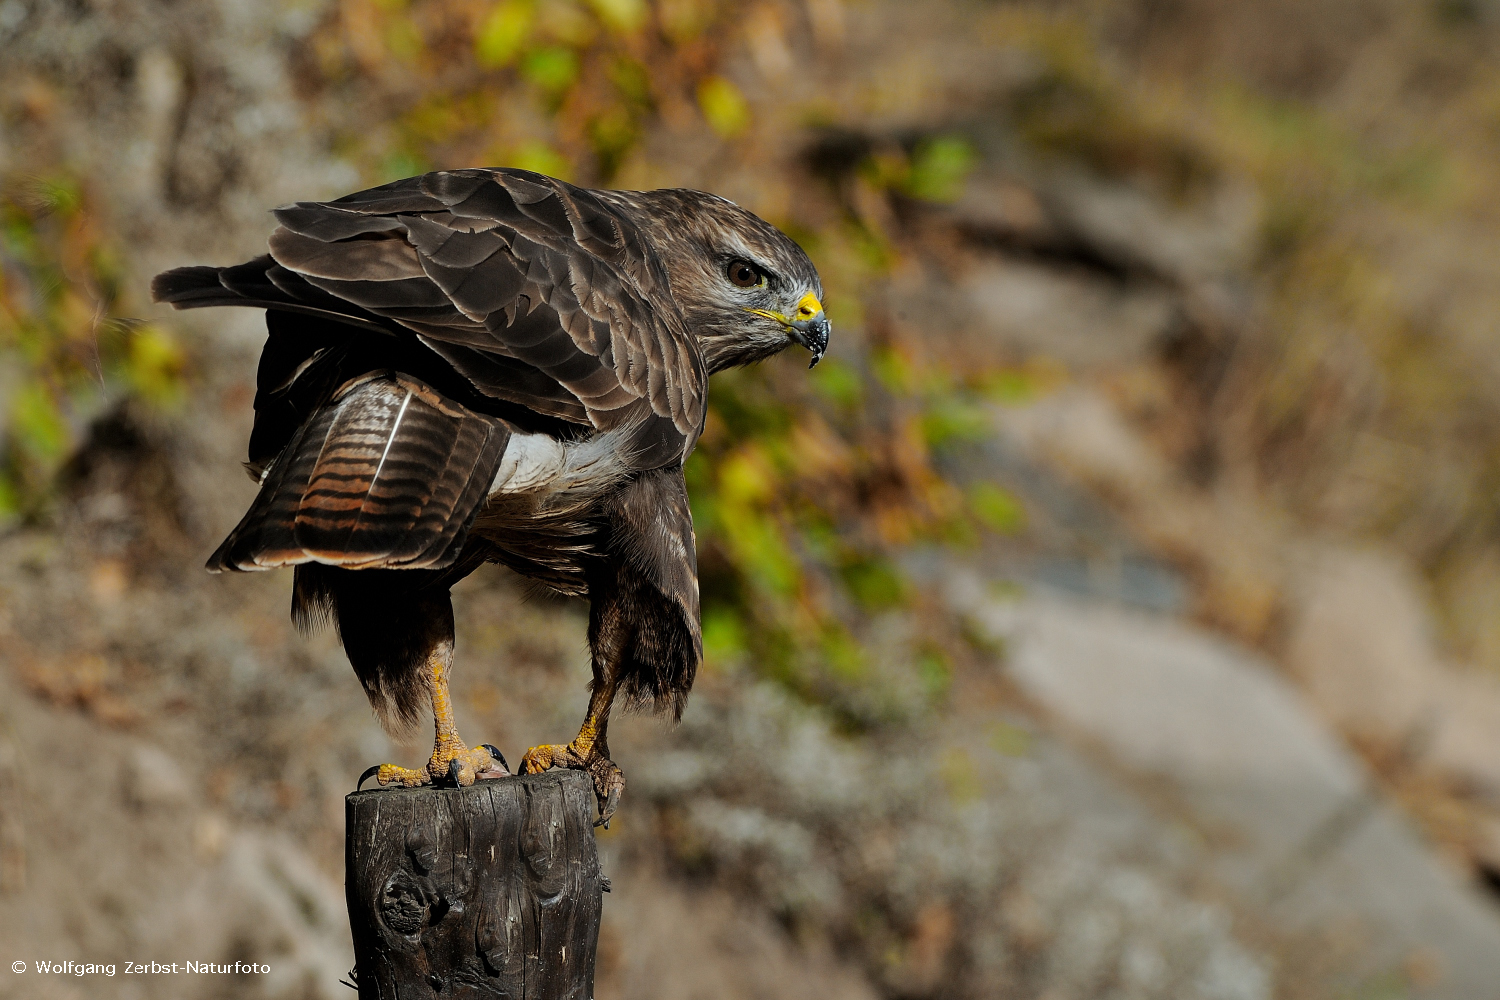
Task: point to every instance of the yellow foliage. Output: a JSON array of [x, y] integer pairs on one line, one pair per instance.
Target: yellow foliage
[[502, 33], [621, 15], [723, 106]]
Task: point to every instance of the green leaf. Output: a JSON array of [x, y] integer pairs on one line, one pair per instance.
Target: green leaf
[[874, 583], [949, 419], [960, 775], [552, 68], [403, 39], [38, 424], [401, 163], [58, 194], [838, 383], [543, 159], [935, 672], [746, 479], [762, 553], [939, 168], [632, 80], [612, 134], [724, 635], [10, 500], [723, 106], [621, 16], [503, 32], [843, 653], [996, 508], [1010, 386], [154, 366], [894, 371]]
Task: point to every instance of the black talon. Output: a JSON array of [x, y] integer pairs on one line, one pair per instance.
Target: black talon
[[367, 776], [454, 770], [611, 800], [607, 809], [495, 753]]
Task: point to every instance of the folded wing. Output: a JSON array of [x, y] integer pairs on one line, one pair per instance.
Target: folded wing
[[389, 474], [533, 290]]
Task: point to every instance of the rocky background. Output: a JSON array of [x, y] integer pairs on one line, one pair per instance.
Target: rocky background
[[1115, 613]]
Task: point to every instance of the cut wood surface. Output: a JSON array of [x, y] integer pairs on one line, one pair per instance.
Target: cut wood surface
[[488, 891]]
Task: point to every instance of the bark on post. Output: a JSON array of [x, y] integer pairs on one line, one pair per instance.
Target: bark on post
[[487, 891]]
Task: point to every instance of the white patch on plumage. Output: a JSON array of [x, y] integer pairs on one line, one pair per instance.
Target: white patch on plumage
[[540, 463], [530, 462]]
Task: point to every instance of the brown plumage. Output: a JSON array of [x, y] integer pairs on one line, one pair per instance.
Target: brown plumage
[[493, 365]]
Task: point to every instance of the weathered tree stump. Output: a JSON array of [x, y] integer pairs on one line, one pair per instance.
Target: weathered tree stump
[[488, 891]]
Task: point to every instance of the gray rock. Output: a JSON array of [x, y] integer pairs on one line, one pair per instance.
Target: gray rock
[[977, 858], [152, 778], [1184, 245], [1310, 842], [1363, 646]]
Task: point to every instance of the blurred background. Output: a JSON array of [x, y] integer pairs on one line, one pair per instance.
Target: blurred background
[[1114, 613]]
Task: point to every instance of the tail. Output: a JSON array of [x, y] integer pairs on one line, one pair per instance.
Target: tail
[[388, 475], [261, 283]]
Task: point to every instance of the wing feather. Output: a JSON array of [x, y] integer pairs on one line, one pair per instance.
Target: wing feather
[[389, 474], [511, 380], [370, 260], [656, 639]]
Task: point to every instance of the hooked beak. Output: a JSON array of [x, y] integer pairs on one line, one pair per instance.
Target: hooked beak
[[813, 335], [811, 328]]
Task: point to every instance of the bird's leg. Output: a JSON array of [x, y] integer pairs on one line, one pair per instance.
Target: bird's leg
[[589, 752], [452, 761]]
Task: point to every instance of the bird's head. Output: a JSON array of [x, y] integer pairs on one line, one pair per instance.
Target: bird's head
[[746, 290]]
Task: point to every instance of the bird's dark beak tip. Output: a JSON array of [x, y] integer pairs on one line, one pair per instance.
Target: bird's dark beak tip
[[813, 334]]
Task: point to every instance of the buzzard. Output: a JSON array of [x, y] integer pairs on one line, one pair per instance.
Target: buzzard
[[491, 365]]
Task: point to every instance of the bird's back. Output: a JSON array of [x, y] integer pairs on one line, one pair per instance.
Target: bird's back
[[414, 331]]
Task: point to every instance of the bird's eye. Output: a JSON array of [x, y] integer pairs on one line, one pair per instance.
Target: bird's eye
[[745, 274]]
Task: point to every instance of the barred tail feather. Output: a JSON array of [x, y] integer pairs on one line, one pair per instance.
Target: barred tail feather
[[389, 475]]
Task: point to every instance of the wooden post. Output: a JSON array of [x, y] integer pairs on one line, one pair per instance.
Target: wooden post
[[487, 891]]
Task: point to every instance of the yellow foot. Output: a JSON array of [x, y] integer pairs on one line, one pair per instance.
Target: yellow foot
[[452, 763], [609, 781]]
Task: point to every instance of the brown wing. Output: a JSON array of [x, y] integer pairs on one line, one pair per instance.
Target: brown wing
[[389, 474], [512, 276]]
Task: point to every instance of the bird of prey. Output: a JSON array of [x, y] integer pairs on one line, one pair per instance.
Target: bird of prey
[[491, 365]]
